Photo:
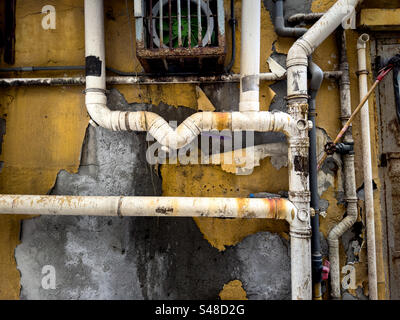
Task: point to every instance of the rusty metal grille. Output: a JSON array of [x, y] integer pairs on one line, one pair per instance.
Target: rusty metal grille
[[180, 35]]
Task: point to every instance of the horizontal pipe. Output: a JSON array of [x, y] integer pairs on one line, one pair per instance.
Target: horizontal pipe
[[144, 80], [276, 208], [194, 125], [305, 17]]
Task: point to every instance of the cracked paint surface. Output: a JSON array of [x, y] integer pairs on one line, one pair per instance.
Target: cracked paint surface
[[33, 156]]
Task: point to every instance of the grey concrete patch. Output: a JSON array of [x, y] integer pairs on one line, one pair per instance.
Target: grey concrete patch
[[138, 258], [262, 283]]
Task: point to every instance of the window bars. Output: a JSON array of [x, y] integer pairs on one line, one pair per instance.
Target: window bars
[[180, 35]]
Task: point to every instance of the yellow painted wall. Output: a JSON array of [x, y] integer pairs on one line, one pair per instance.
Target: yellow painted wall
[[45, 127]]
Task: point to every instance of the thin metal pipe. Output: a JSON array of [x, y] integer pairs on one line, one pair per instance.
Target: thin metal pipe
[[44, 68], [138, 79], [349, 172]]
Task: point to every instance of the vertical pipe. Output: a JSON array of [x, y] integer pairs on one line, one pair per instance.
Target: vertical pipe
[[298, 101], [199, 24], [250, 56], [95, 93], [179, 23], [315, 84], [139, 16], [95, 51], [189, 25], [299, 187], [367, 167], [349, 173], [297, 94], [299, 195]]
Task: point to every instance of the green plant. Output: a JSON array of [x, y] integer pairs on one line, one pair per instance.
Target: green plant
[[194, 28]]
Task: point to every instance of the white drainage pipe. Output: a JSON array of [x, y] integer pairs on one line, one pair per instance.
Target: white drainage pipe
[[278, 208], [367, 167], [297, 96], [250, 56]]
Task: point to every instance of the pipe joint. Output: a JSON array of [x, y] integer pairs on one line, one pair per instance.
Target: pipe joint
[[300, 196], [298, 53], [297, 143], [300, 233]]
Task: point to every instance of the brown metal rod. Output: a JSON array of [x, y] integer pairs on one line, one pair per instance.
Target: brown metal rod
[[348, 123]]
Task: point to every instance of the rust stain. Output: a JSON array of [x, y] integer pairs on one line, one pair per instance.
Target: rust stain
[[222, 121], [242, 205]]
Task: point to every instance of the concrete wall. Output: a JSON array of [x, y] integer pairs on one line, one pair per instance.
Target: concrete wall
[[48, 147]]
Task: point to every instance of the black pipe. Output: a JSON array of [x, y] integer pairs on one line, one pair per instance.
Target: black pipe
[[279, 23], [232, 22], [317, 76]]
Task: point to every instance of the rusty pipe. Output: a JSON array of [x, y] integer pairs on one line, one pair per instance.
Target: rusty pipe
[[349, 173], [297, 95], [194, 125], [276, 208]]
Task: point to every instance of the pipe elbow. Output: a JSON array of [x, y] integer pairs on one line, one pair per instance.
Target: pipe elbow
[[362, 41], [279, 23], [317, 76], [298, 54], [96, 106]]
